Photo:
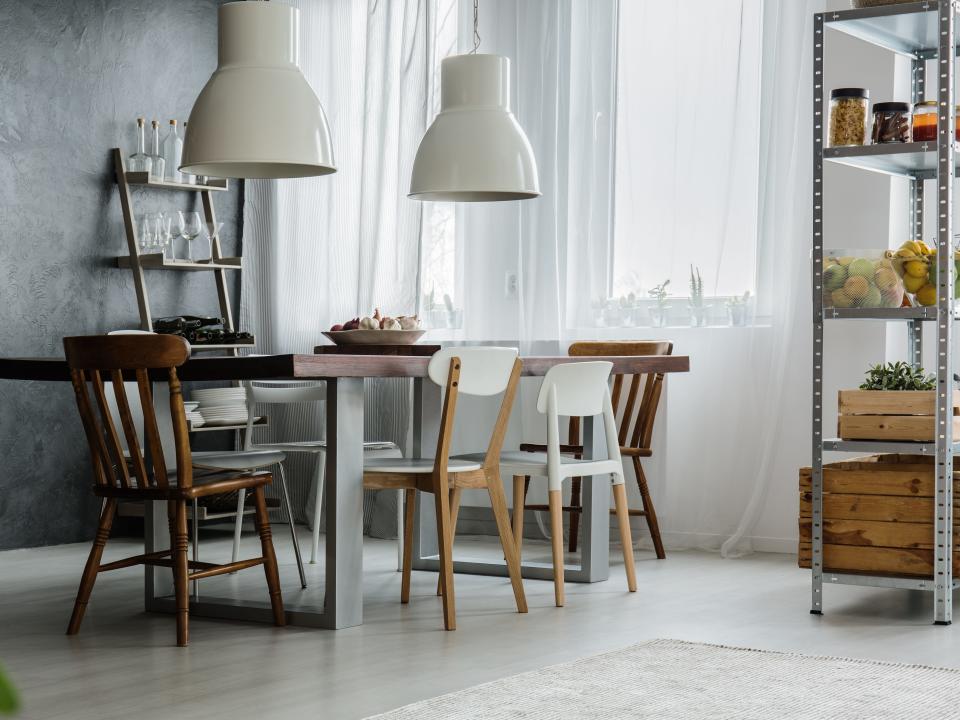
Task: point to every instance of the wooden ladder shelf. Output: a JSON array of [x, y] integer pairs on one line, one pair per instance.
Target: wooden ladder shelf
[[137, 263]]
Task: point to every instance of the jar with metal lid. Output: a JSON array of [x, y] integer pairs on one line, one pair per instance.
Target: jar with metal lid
[[848, 116], [891, 122], [925, 121]]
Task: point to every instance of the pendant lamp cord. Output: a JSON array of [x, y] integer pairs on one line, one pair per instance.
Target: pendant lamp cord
[[476, 26]]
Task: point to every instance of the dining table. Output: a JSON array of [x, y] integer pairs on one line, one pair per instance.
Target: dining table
[[338, 602]]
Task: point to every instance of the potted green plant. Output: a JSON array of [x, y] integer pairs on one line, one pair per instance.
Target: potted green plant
[[698, 311], [660, 310], [9, 702], [737, 309]]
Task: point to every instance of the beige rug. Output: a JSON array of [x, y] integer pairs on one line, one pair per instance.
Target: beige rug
[[674, 680]]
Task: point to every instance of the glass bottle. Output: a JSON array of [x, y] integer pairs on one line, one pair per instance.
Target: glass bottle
[[140, 161], [156, 172], [187, 177], [172, 151]]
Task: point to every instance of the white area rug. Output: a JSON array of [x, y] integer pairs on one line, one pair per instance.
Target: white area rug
[[674, 680]]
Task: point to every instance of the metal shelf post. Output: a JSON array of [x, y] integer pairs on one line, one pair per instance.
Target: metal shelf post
[[943, 500], [819, 121]]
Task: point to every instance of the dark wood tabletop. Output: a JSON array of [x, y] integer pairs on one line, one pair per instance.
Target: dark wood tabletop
[[315, 367]]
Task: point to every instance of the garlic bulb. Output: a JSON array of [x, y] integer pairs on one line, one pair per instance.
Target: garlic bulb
[[368, 323], [391, 324], [409, 322]]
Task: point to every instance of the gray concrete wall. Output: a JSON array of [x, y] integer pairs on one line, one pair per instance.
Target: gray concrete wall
[[74, 75]]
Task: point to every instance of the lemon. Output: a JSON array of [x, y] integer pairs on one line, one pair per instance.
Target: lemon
[[916, 268], [927, 295], [912, 284]]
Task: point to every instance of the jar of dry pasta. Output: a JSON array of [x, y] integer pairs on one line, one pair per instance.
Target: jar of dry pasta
[[848, 116]]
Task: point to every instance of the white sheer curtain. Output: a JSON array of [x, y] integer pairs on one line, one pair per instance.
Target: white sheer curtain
[[734, 426], [782, 390], [323, 250]]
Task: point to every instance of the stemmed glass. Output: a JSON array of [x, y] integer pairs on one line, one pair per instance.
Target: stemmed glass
[[189, 225], [164, 234], [148, 233], [210, 232]]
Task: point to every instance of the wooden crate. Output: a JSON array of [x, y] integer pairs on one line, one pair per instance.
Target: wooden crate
[[877, 515], [890, 415]]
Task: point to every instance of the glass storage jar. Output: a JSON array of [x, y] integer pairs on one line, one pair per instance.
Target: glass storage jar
[[925, 121], [848, 116], [891, 123]]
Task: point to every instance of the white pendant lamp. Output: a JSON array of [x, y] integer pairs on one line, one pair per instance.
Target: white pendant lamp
[[475, 150], [257, 116]]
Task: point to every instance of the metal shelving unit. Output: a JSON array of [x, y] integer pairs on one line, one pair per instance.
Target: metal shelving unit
[[921, 31]]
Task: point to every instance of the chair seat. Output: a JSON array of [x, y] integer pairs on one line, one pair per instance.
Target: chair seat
[[203, 486], [416, 466], [318, 446], [238, 459], [527, 463]]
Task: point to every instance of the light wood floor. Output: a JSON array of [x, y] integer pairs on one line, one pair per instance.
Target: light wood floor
[[123, 664]]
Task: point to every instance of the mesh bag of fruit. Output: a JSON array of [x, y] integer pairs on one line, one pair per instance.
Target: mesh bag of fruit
[[862, 279]]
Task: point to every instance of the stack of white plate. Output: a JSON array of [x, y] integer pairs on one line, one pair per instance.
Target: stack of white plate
[[194, 418], [222, 406]]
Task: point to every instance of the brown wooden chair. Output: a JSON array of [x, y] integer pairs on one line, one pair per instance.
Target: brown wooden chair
[[635, 417], [469, 371], [95, 360]]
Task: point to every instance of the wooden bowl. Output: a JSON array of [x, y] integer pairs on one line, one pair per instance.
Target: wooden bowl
[[374, 337]]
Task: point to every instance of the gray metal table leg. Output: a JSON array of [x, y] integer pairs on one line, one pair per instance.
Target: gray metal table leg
[[343, 503]]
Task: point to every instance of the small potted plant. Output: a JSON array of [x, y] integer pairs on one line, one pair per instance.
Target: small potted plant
[[737, 309], [698, 311], [660, 311]]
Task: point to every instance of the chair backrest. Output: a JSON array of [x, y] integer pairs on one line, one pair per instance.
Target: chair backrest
[[90, 359], [480, 371], [639, 410], [278, 392], [577, 389]]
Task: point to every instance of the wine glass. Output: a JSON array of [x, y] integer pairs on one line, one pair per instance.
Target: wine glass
[[147, 230], [190, 225], [211, 232], [165, 234]]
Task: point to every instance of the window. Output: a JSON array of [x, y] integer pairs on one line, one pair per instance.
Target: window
[[687, 146], [440, 273]]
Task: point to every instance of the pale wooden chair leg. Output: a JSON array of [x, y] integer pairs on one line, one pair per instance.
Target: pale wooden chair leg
[[648, 509], [519, 497], [179, 543], [454, 513], [92, 568], [269, 557], [574, 515], [410, 499], [498, 502], [626, 537], [556, 540], [442, 503]]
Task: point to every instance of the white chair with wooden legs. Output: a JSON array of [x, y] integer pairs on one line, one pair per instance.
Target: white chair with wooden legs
[[579, 390], [286, 392], [481, 371]]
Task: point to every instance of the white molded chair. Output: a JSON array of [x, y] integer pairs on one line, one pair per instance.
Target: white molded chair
[[283, 392], [573, 389]]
